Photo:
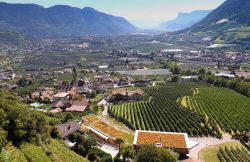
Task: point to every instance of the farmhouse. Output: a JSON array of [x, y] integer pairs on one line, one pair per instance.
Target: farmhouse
[[125, 82], [178, 142], [78, 106], [125, 95], [68, 128], [43, 94], [57, 104], [70, 106], [143, 82]]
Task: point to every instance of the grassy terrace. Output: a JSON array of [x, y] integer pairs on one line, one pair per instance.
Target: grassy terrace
[[107, 129], [112, 132], [90, 119]]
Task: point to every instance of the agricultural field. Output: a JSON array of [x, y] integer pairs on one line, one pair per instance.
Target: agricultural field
[[61, 153], [57, 59], [12, 154], [224, 107], [145, 72], [225, 153], [34, 153], [52, 151], [233, 154], [163, 112], [195, 109]]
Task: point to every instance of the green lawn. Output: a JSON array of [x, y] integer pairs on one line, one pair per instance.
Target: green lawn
[[210, 154]]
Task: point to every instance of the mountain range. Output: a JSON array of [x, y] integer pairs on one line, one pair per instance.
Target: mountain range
[[60, 20], [185, 20]]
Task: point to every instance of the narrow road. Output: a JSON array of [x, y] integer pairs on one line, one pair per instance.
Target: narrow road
[[116, 124], [205, 142]]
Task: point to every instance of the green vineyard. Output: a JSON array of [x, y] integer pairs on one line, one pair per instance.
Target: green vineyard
[[52, 151], [195, 109], [233, 155], [163, 112], [230, 110]]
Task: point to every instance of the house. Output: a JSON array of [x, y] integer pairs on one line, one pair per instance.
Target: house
[[57, 104], [125, 81], [143, 82], [43, 94], [178, 142], [124, 95], [68, 128], [78, 106], [85, 91], [188, 78], [70, 106], [61, 96]]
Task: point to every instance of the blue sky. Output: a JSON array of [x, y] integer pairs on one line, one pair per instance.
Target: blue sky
[[143, 13]]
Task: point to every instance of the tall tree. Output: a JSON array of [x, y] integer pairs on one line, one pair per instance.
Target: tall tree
[[150, 153], [127, 152]]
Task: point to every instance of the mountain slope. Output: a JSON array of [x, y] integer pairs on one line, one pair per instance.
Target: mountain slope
[[233, 11], [185, 20], [227, 24], [60, 20]]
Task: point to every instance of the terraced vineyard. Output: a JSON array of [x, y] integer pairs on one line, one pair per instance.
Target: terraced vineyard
[[29, 152], [61, 153], [34, 153], [233, 155], [162, 112], [225, 107]]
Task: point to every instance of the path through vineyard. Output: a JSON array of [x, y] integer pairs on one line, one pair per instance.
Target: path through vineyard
[[106, 118]]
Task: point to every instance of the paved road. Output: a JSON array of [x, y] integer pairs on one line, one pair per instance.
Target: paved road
[[110, 149], [206, 142], [105, 111]]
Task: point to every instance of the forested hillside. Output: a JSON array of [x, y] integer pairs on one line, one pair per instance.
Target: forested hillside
[[25, 134]]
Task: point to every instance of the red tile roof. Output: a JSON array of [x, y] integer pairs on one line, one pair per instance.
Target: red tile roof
[[166, 139]]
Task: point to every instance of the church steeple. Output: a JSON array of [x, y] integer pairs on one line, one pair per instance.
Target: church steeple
[[74, 76]]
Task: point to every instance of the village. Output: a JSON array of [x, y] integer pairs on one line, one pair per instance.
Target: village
[[94, 96], [82, 95]]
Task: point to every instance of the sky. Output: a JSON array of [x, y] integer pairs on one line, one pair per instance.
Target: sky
[[142, 13]]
